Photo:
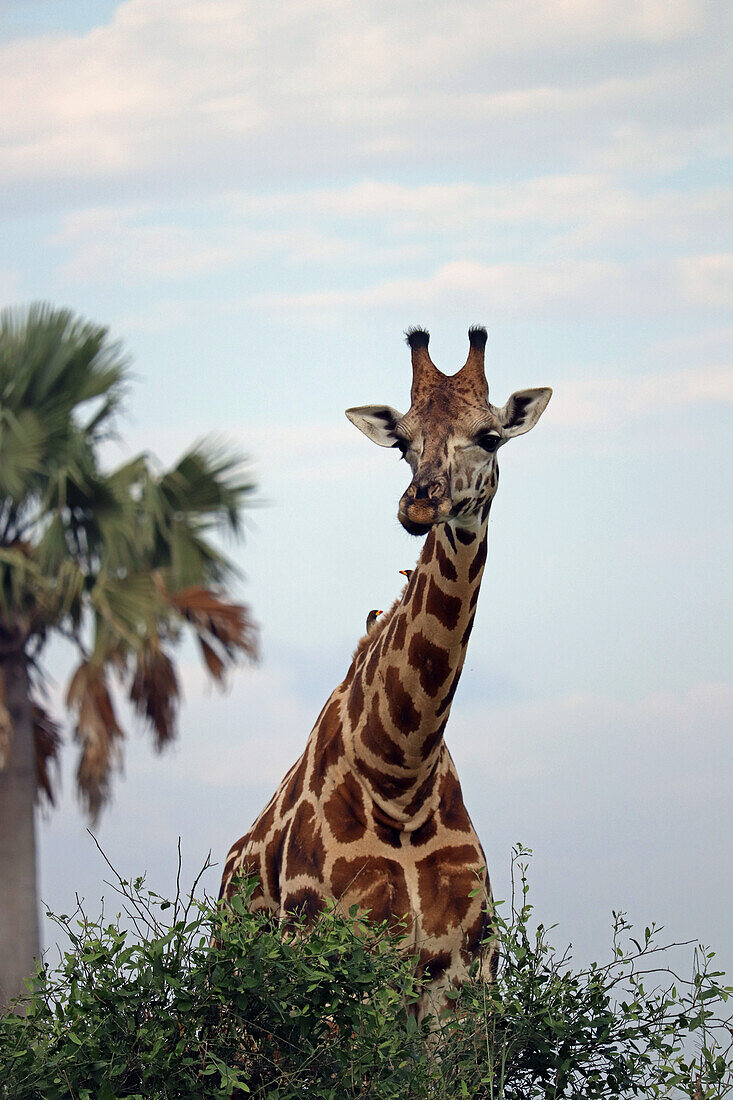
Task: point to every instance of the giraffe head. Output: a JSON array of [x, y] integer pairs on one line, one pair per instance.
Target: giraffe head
[[450, 436]]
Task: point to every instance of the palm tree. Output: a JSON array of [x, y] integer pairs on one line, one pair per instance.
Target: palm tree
[[117, 561]]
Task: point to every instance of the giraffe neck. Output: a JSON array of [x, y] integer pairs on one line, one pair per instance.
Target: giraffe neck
[[402, 681]]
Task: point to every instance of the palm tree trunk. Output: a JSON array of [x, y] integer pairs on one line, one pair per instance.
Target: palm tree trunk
[[19, 934]]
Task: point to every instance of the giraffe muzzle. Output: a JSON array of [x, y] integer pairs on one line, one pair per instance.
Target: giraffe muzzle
[[422, 506]]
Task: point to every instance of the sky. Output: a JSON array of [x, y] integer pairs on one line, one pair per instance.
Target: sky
[[258, 199]]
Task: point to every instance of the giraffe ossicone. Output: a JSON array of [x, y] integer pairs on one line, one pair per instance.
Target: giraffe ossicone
[[372, 813]]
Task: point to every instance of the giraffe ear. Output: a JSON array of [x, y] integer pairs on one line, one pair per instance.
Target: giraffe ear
[[523, 410], [377, 422]]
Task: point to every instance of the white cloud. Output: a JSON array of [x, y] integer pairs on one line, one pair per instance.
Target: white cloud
[[155, 251], [604, 402], [708, 280], [229, 89], [388, 225], [712, 344], [595, 287], [576, 209], [147, 243]]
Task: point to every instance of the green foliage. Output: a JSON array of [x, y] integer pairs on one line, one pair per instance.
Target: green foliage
[[628, 1027], [186, 1000], [257, 1012]]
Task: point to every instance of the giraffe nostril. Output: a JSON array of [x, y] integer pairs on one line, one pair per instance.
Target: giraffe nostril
[[429, 490]]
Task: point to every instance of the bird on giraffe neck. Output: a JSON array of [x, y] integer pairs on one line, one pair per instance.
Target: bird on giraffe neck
[[372, 618]]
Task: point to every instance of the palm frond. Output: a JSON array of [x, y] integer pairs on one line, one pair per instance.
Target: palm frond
[[98, 733], [46, 745], [215, 664], [53, 362], [225, 630], [155, 692], [211, 480], [206, 489], [129, 606], [22, 445]]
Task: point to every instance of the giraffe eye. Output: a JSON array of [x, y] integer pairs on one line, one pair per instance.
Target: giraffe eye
[[488, 442], [401, 444]]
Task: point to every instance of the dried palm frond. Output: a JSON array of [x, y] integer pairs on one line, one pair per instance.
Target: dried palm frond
[[155, 691], [224, 629], [214, 663], [46, 745], [98, 732]]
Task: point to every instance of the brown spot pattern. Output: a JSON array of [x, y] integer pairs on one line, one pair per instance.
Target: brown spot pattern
[[345, 812], [264, 823], [377, 740], [356, 702], [388, 636], [294, 789], [433, 965], [478, 562], [388, 834], [431, 661], [400, 632], [329, 746], [402, 709], [305, 853], [418, 799], [467, 632], [273, 854], [371, 667], [425, 833], [465, 536], [448, 697], [445, 565], [417, 596], [445, 879], [475, 934], [445, 608], [453, 812], [382, 820], [305, 902], [433, 739], [389, 786], [378, 883]]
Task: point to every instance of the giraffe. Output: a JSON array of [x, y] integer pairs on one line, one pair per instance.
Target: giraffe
[[372, 813]]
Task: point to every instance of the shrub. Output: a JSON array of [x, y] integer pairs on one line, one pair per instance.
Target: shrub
[[177, 1000], [628, 1027]]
